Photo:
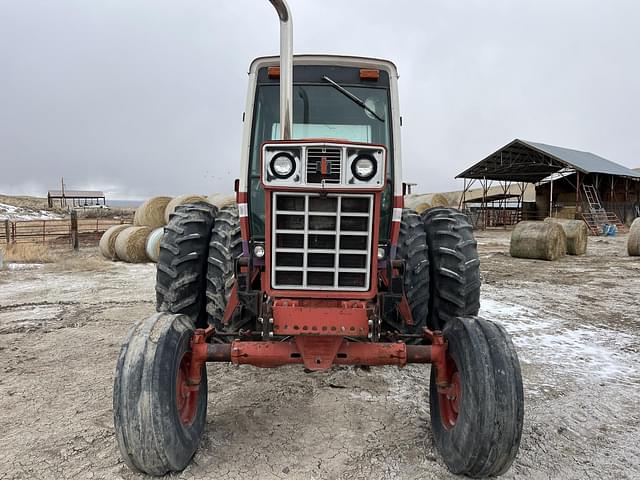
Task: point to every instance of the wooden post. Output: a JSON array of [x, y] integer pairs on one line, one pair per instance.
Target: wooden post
[[7, 232], [578, 201], [74, 230]]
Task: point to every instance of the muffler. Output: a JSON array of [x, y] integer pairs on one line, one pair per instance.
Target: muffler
[[286, 67]]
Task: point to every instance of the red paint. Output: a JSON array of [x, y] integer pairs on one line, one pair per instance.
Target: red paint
[[324, 169], [320, 317], [186, 397], [319, 353]]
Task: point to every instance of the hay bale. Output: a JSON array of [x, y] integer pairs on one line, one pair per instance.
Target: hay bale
[[151, 213], [421, 207], [221, 200], [153, 244], [131, 244], [107, 243], [635, 223], [540, 240], [633, 242], [413, 200], [439, 200], [577, 234], [181, 200]]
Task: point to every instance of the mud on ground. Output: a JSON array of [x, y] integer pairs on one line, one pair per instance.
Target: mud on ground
[[574, 322]]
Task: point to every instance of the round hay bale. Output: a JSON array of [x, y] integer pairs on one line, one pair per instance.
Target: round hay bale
[[107, 243], [153, 244], [540, 240], [221, 200], [421, 207], [411, 201], [633, 242], [577, 234], [151, 212], [635, 223], [439, 200], [131, 244], [181, 200]]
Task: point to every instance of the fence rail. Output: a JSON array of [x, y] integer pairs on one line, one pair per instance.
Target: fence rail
[[55, 231]]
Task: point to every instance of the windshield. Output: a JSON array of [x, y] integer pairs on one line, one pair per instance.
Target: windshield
[[319, 111]]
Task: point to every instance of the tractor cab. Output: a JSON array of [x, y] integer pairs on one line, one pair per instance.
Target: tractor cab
[[319, 205]]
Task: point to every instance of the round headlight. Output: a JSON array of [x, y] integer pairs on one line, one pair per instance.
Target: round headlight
[[282, 165], [364, 167], [258, 251]]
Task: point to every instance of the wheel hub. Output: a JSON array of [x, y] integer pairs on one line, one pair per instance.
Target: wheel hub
[[186, 396], [449, 396]]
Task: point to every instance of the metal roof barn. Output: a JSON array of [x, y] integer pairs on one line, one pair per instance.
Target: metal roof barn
[[569, 183]]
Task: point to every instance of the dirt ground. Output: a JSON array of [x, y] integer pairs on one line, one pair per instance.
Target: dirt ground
[[575, 324]]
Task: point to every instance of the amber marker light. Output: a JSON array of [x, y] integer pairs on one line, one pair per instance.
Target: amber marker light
[[369, 74]]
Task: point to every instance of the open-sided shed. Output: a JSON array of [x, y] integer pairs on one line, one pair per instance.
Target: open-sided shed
[[569, 183], [75, 198]]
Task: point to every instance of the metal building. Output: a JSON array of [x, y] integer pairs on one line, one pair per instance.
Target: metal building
[[75, 198], [568, 183]]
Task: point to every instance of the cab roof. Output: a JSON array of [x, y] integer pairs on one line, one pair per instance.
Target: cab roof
[[333, 60]]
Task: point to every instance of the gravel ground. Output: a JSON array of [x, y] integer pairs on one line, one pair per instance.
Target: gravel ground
[[574, 322]]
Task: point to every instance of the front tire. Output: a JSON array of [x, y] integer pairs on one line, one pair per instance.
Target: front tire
[[159, 423], [477, 429]]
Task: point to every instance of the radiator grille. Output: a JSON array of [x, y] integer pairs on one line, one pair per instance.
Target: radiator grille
[[333, 162], [321, 242]]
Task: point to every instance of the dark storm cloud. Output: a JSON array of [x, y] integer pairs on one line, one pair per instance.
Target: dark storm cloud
[[146, 97]]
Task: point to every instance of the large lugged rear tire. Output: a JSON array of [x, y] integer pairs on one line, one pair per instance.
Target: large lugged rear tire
[[158, 421], [454, 266], [225, 247], [412, 248], [181, 269], [477, 431]]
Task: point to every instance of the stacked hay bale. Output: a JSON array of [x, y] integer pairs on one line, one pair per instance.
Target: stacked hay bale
[[538, 240], [152, 212], [439, 200], [633, 242], [576, 232], [107, 243], [131, 244], [181, 200], [421, 207], [221, 200], [420, 203], [152, 246], [143, 243]]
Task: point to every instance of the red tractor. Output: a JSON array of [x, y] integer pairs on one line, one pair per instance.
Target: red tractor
[[319, 264]]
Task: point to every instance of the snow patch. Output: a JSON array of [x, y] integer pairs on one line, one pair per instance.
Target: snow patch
[[11, 212], [545, 339]]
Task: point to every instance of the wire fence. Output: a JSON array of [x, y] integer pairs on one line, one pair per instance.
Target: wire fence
[[56, 231]]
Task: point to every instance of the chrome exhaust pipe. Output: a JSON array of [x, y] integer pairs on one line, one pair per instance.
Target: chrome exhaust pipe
[[286, 68]]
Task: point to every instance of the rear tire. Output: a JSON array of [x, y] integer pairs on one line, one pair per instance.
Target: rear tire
[[225, 247], [412, 248], [158, 424], [478, 431], [181, 269], [454, 266]]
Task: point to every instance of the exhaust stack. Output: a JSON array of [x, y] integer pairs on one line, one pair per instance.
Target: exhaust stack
[[286, 68]]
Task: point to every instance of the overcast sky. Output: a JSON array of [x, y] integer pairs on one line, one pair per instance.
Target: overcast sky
[[144, 97]]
